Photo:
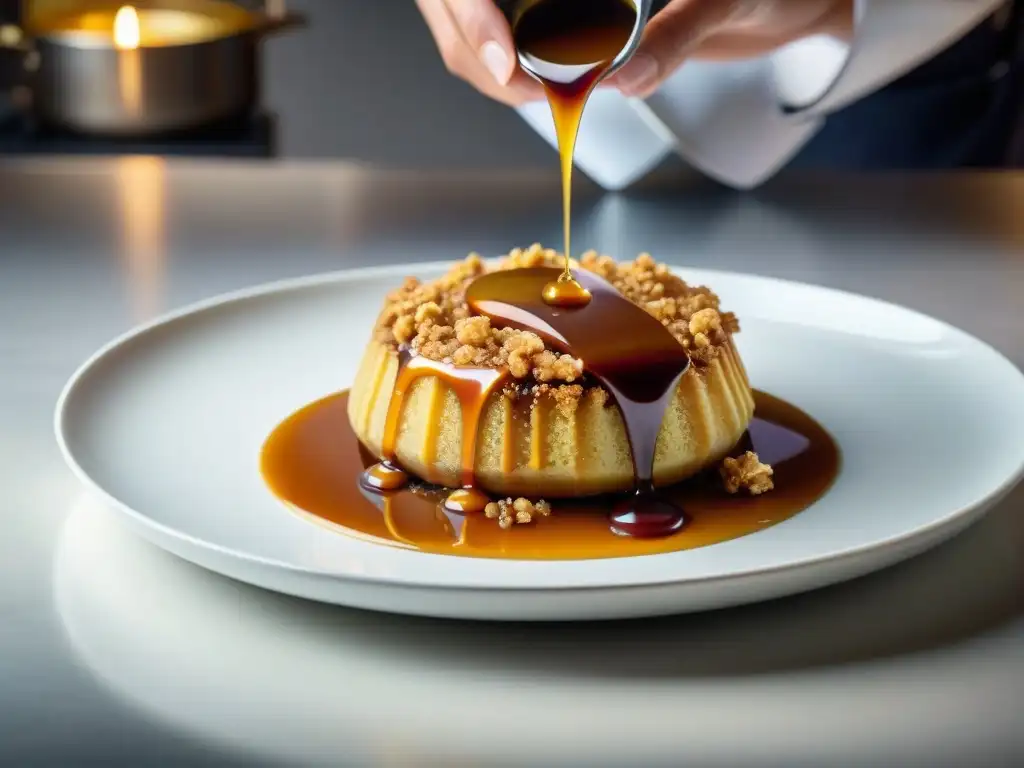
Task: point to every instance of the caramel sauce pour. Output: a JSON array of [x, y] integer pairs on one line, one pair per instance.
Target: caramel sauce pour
[[571, 45]]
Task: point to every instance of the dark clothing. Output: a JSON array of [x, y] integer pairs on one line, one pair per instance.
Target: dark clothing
[[961, 109]]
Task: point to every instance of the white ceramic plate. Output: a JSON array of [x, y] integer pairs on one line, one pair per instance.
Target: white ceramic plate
[[167, 422]]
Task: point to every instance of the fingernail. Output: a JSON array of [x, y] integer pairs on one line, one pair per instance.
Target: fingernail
[[639, 72], [496, 60]]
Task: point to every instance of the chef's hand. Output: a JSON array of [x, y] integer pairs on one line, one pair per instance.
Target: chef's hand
[[475, 42], [725, 30]]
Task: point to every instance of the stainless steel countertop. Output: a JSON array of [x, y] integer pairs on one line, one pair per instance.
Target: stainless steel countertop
[[111, 651]]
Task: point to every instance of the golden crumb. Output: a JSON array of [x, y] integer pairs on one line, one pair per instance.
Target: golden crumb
[[521, 511], [427, 313], [404, 329], [433, 320], [706, 321], [551, 366], [474, 331], [534, 256], [747, 472]]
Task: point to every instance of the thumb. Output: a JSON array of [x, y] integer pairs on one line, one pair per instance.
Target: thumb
[[486, 30], [670, 37]]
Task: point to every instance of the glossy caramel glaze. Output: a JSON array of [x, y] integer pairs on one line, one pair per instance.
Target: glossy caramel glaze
[[384, 476], [626, 349], [313, 462], [561, 36], [565, 292], [471, 386], [469, 501]]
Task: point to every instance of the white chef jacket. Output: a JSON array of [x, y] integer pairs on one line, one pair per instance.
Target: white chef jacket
[[741, 122]]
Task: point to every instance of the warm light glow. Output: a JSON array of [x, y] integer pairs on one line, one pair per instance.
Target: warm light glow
[[126, 28], [141, 191]]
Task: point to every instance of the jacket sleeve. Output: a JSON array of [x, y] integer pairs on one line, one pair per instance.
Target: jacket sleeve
[[821, 75]]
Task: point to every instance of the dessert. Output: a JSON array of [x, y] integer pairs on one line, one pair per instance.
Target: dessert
[[648, 390], [545, 408]]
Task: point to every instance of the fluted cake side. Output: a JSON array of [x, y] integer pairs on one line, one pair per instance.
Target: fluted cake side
[[529, 442]]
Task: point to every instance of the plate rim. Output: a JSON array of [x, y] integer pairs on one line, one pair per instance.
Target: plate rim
[[154, 530]]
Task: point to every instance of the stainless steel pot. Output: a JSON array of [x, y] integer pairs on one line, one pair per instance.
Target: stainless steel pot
[[83, 82]]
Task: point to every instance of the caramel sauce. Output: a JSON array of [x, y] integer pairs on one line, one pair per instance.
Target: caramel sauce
[[384, 476], [467, 500], [313, 461], [565, 292], [652, 517], [471, 386], [570, 46], [624, 347]]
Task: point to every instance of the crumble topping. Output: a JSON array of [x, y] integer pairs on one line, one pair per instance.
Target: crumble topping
[[432, 318], [518, 512], [747, 472]]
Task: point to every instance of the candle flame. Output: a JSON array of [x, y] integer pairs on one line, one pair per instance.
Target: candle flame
[[126, 28]]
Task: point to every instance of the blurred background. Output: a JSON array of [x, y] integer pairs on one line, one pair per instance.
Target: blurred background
[[319, 83]]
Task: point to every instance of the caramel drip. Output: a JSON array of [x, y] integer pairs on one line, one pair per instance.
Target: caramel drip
[[467, 500], [571, 45], [384, 476], [471, 386], [627, 350]]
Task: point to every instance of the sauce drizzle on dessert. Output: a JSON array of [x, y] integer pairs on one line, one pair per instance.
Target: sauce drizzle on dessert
[[312, 461], [624, 347], [467, 500], [472, 386], [570, 45], [384, 476]]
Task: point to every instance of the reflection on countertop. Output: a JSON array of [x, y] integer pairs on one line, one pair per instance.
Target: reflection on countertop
[[281, 678]]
